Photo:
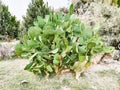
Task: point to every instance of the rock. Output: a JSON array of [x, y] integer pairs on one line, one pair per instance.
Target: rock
[[97, 58], [24, 82], [108, 61], [112, 57], [7, 49], [116, 55]]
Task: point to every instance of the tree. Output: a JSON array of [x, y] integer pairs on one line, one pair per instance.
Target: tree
[[8, 23], [35, 8]]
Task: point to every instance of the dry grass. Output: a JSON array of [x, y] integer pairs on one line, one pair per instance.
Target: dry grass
[[12, 73]]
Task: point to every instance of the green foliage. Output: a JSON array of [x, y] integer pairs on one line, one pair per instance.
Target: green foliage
[[110, 2], [35, 8], [71, 9], [56, 42], [116, 2], [8, 23]]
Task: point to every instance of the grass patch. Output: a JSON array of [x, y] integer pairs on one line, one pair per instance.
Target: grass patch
[[12, 73], [109, 73]]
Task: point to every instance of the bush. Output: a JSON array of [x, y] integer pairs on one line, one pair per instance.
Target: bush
[[107, 16], [78, 3], [35, 8], [8, 23], [55, 43]]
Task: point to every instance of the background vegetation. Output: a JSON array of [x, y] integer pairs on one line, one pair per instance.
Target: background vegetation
[[8, 23], [35, 8]]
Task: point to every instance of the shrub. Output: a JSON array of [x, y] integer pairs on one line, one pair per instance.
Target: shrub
[[78, 3], [8, 23], [35, 8], [107, 16], [55, 43]]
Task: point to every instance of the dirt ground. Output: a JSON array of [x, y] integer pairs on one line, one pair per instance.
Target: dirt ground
[[103, 76]]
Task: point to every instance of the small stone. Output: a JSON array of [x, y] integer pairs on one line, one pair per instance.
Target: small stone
[[24, 82]]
